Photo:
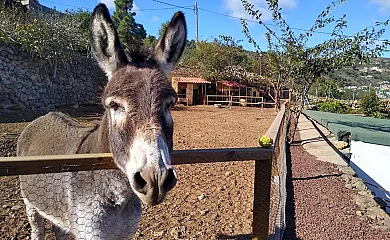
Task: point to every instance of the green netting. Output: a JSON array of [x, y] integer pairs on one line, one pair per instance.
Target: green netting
[[365, 129]]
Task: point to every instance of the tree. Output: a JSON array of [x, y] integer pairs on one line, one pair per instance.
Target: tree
[[162, 29], [150, 41], [370, 103], [222, 59], [129, 31], [298, 65]]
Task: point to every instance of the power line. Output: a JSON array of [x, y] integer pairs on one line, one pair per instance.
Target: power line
[[173, 5], [89, 8], [230, 16]]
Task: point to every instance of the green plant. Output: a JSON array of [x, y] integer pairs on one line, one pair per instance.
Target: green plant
[[370, 103], [334, 106], [129, 31]]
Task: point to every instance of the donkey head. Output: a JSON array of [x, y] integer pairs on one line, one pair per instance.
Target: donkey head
[[137, 100]]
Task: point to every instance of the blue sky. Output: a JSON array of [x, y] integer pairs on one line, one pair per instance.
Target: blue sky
[[298, 13]]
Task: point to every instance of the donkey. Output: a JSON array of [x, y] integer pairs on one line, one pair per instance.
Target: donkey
[[136, 127]]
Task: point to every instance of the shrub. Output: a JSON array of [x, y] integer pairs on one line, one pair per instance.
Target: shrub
[[334, 106], [370, 104], [51, 35], [384, 108]]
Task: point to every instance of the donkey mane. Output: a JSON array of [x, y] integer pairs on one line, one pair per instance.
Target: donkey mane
[[141, 57]]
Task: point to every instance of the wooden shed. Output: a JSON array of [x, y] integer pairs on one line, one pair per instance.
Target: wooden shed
[[190, 90]]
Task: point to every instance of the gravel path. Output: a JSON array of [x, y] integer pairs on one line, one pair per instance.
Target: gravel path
[[318, 204]]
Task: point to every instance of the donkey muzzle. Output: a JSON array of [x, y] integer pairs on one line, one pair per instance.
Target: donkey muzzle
[[154, 184]]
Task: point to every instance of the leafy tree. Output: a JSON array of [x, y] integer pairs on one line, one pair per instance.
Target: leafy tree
[[298, 65], [150, 41], [370, 103], [162, 29], [129, 31], [222, 59], [334, 106]]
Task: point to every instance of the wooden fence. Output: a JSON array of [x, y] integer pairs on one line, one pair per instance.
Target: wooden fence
[[263, 158]]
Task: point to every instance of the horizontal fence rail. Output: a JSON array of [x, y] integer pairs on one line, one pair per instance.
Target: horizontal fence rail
[[265, 161], [24, 165]]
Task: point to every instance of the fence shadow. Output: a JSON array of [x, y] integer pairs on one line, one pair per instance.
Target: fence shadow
[[234, 237], [290, 230]]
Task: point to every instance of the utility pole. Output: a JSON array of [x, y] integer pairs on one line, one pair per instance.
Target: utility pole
[[197, 29]]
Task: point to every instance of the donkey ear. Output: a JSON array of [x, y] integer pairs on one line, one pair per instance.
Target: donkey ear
[[171, 45], [105, 41]]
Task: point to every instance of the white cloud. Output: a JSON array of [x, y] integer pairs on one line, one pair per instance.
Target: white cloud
[[155, 19], [384, 5], [135, 7], [236, 9]]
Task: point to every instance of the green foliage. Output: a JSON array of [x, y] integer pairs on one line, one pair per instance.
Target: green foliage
[[150, 41], [334, 106], [51, 36], [384, 108], [302, 64], [32, 36], [129, 31], [326, 87], [370, 104], [222, 59], [163, 28]]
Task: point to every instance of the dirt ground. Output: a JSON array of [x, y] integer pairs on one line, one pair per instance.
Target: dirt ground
[[210, 201]]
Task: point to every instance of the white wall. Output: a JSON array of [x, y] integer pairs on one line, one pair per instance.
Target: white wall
[[372, 164]]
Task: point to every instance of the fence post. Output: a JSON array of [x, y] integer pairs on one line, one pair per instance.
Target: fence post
[[261, 199]]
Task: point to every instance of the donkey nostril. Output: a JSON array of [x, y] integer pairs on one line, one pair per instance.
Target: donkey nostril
[[139, 183], [170, 180]]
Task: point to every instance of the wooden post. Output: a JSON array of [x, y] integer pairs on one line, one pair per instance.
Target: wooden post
[[261, 199]]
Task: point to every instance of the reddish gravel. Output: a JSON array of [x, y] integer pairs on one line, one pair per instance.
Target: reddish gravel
[[321, 207]]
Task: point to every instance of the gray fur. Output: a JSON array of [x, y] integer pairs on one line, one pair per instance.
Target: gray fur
[[104, 204]]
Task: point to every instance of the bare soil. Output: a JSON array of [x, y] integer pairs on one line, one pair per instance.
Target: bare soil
[[211, 201]]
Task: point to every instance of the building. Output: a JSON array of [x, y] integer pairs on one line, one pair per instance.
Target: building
[[190, 90]]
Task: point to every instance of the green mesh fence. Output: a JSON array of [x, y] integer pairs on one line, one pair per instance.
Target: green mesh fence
[[365, 129]]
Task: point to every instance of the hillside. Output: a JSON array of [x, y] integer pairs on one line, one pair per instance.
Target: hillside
[[362, 75]]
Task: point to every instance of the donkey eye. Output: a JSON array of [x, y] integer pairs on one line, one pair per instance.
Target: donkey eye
[[113, 105]]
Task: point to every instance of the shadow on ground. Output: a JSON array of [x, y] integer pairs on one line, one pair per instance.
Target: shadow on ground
[[290, 231], [235, 237]]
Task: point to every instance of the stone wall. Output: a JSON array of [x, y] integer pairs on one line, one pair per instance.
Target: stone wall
[[28, 83]]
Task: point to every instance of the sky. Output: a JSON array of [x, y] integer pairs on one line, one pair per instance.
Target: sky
[[214, 15]]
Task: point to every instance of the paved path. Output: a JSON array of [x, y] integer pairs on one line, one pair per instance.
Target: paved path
[[316, 145]]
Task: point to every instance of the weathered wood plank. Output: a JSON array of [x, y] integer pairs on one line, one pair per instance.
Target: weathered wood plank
[[220, 155], [84, 162], [273, 130], [261, 199]]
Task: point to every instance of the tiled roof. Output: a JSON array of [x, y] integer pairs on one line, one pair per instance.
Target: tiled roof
[[232, 84], [190, 80]]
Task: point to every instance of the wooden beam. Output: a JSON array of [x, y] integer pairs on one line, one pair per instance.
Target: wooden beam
[[84, 162], [220, 155], [273, 130], [261, 199], [24, 165]]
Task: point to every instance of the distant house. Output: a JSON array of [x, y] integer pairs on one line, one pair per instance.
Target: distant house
[[190, 90]]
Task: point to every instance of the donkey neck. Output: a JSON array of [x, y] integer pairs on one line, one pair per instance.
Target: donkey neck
[[97, 140]]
